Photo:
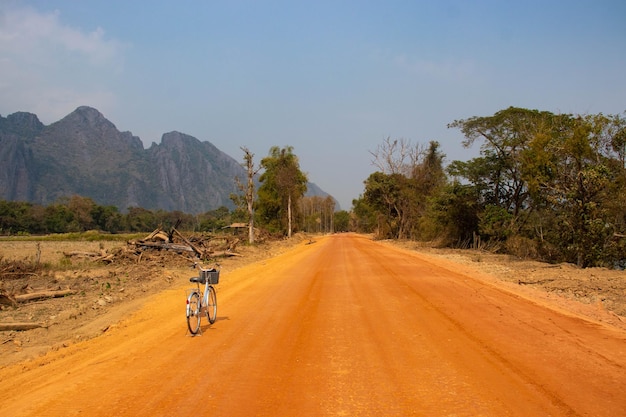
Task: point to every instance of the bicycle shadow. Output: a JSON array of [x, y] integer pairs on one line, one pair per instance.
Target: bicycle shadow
[[207, 326]]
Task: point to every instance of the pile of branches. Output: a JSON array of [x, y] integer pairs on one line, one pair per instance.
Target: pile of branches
[[198, 246], [161, 244], [14, 277], [17, 269]]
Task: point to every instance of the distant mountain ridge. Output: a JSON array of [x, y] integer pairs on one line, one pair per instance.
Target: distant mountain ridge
[[85, 154]]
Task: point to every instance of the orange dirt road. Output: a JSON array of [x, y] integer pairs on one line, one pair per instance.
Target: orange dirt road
[[341, 327]]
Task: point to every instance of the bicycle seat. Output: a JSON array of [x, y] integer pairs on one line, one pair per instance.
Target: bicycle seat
[[198, 280]]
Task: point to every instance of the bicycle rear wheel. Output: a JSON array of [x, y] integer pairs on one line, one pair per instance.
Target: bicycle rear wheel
[[193, 312], [211, 307]]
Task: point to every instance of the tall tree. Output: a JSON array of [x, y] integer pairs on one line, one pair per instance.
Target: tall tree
[[574, 174], [505, 135], [317, 214], [248, 190], [329, 214], [428, 177], [397, 156], [553, 182], [283, 184], [499, 171], [82, 209], [391, 196], [399, 192]]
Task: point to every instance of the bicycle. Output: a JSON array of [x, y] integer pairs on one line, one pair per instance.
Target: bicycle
[[199, 303]]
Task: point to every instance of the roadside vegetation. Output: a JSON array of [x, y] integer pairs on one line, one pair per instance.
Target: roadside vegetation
[[545, 186], [278, 206]]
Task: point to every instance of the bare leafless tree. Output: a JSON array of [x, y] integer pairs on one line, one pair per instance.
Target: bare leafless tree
[[248, 189], [396, 156]]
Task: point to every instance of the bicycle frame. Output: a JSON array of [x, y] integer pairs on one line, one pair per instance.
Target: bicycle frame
[[199, 303], [205, 297]]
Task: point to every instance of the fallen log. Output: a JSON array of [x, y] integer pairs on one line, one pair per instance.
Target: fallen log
[[195, 249], [224, 254], [106, 259], [540, 282], [22, 298], [20, 326], [80, 254], [163, 245], [153, 234]]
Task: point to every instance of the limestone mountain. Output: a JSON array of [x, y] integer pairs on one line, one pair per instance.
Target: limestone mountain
[[85, 154]]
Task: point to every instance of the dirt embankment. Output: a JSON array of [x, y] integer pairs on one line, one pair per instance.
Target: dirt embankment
[[597, 293], [102, 295]]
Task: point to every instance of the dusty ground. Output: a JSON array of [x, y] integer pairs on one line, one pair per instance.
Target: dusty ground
[[105, 294], [341, 327], [598, 293]]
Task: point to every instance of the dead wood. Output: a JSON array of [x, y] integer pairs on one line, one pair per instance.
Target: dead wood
[[79, 254], [224, 254], [20, 326], [7, 300], [196, 246], [105, 258], [540, 282], [165, 245], [161, 236], [198, 251], [22, 298], [153, 234]]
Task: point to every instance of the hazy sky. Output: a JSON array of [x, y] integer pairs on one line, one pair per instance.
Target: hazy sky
[[333, 79]]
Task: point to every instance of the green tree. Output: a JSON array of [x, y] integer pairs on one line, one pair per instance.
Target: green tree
[[214, 219], [388, 195], [15, 217], [317, 214], [498, 174], [429, 172], [554, 182], [283, 184], [59, 218], [107, 218], [452, 215], [574, 176], [429, 178], [342, 221], [400, 192], [81, 208], [364, 218], [139, 219]]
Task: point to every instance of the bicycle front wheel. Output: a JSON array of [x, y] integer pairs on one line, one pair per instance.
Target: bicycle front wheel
[[211, 307], [193, 312]]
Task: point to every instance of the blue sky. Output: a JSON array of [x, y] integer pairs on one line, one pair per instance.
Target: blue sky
[[333, 79]]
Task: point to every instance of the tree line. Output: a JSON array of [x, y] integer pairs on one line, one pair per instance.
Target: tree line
[[546, 186], [79, 214], [277, 206]]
